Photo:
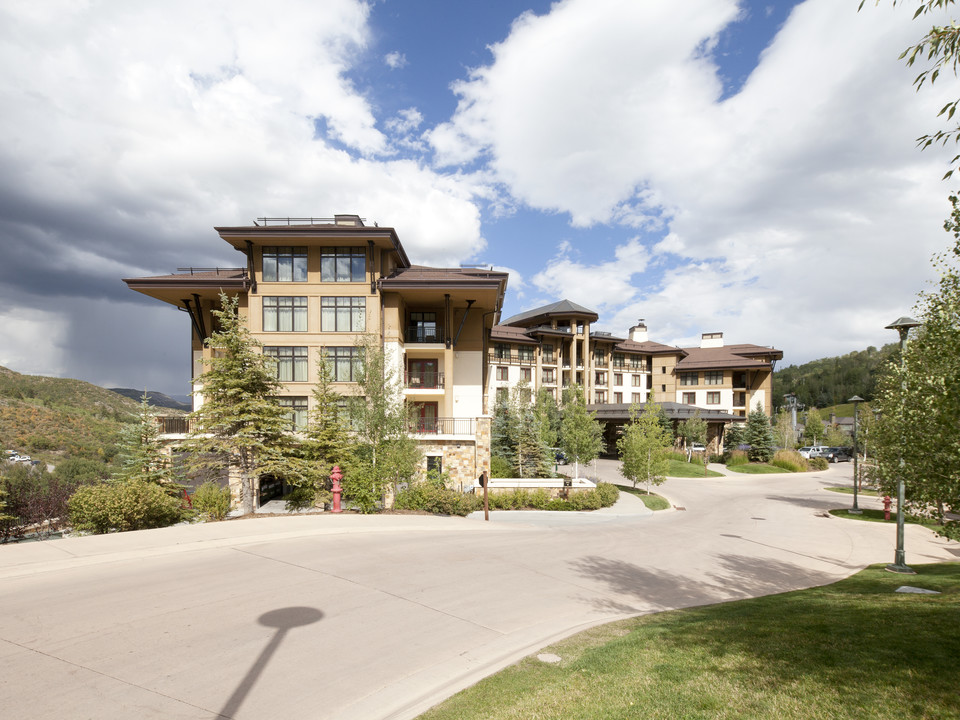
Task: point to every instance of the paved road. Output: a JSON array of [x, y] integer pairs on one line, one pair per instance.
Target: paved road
[[349, 617]]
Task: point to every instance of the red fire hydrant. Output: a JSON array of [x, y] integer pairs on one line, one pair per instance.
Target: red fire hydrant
[[335, 477], [887, 502]]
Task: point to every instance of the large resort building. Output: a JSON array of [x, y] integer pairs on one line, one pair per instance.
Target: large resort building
[[309, 287]]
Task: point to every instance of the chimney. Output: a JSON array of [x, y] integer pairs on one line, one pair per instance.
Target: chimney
[[353, 220], [711, 340], [638, 333]]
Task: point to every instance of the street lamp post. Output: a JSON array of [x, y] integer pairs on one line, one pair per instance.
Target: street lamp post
[[902, 325], [855, 510]]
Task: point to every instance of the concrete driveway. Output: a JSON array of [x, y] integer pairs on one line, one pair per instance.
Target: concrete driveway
[[381, 617]]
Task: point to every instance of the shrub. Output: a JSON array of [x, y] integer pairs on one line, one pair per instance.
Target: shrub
[[132, 505], [790, 460], [677, 455], [609, 494], [500, 467], [434, 497], [212, 501], [737, 457], [818, 463]]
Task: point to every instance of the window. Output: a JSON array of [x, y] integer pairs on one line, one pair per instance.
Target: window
[[663, 388], [525, 354], [689, 398], [502, 373], [618, 378], [739, 379], [284, 264], [503, 394], [344, 361], [284, 314], [423, 328], [526, 374], [619, 361], [618, 398], [296, 408], [501, 351], [713, 377], [636, 398], [601, 356], [343, 264], [689, 378], [635, 380], [291, 363], [526, 395], [713, 397], [636, 362], [549, 376], [435, 464], [343, 314], [600, 378], [548, 356], [663, 369], [600, 396]]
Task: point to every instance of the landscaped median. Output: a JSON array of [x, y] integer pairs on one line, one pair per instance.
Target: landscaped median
[[853, 649]]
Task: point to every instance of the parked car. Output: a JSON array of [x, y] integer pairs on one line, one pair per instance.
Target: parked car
[[812, 451], [836, 454], [697, 447]]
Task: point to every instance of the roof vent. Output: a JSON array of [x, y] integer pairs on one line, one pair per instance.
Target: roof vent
[[711, 340], [351, 220]]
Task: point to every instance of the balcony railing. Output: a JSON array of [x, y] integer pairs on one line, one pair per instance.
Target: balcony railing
[[424, 334], [442, 426], [501, 358], [420, 380], [173, 425]]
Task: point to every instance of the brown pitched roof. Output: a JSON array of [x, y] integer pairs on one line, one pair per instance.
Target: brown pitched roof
[[739, 357]]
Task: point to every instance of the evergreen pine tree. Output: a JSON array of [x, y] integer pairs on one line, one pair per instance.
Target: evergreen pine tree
[[141, 452], [759, 435]]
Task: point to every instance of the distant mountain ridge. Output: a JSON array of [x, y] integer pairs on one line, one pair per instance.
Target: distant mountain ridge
[[154, 398]]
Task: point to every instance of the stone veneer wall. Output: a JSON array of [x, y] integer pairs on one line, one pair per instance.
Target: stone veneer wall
[[463, 460]]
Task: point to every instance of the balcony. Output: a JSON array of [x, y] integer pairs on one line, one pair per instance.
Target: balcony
[[424, 334], [502, 358], [423, 380], [173, 424], [443, 426]]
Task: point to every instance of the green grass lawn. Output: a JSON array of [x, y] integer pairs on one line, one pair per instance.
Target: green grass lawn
[[755, 469], [851, 650], [682, 468], [652, 501], [871, 515], [849, 491]]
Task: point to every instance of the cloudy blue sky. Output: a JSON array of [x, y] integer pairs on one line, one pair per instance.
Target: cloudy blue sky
[[708, 165]]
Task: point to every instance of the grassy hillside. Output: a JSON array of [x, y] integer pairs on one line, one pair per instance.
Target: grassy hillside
[[52, 418], [832, 381]]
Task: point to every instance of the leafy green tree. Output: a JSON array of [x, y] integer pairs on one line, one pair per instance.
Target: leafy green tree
[[759, 435], [813, 430], [141, 452], [736, 434], [239, 423], [386, 454], [694, 430], [917, 435], [783, 433], [643, 446], [546, 415], [581, 436], [835, 437], [503, 430]]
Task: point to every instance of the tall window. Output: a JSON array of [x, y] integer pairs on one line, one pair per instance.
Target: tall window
[[502, 372], [635, 380], [618, 378], [713, 398], [689, 378], [291, 363], [618, 398], [600, 378], [284, 314], [600, 396], [601, 356], [525, 354], [284, 264], [501, 351], [689, 398], [344, 361], [713, 377], [296, 408], [423, 328], [343, 314], [549, 376], [636, 398], [343, 264], [619, 361], [548, 356], [503, 394], [526, 374]]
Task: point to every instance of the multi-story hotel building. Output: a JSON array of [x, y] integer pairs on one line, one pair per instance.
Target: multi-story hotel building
[[310, 287], [554, 346], [324, 286]]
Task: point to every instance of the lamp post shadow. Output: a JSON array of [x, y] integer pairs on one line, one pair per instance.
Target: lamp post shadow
[[283, 619]]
